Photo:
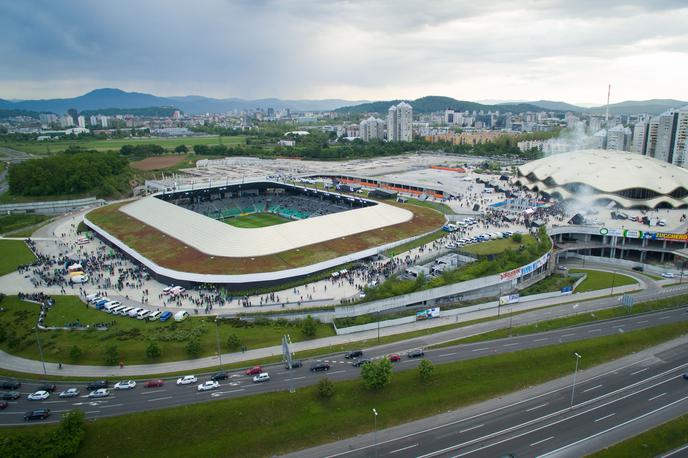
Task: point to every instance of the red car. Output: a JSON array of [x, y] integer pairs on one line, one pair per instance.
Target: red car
[[154, 383], [254, 370], [394, 358], [3, 404]]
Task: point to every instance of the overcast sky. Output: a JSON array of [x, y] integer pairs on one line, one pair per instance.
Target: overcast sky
[[471, 50]]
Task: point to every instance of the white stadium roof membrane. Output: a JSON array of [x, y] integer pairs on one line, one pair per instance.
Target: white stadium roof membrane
[[592, 176], [216, 238]]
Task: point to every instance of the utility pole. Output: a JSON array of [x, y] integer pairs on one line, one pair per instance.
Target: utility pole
[[217, 338], [375, 431], [40, 351]]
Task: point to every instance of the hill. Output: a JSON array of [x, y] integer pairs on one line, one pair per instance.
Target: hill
[[431, 104], [653, 106], [110, 98], [558, 106]]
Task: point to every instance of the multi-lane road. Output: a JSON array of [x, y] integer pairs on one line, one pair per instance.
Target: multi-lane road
[[239, 384]]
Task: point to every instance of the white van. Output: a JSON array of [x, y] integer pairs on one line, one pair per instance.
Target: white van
[[154, 315], [110, 307], [122, 310], [143, 314], [91, 297], [176, 290], [181, 315], [134, 312], [80, 279]]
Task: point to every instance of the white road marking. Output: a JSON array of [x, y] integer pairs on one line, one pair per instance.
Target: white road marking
[[655, 397], [594, 330], [160, 399], [295, 378], [113, 405], [541, 340], [480, 349], [540, 442], [446, 354], [52, 402], [511, 344], [336, 372], [664, 318], [151, 392], [641, 322], [537, 407], [470, 429], [567, 335], [93, 411], [619, 326], [593, 388], [638, 372], [402, 449], [605, 417]]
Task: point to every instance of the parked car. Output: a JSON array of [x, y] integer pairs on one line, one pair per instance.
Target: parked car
[[295, 364], [48, 387], [38, 414], [417, 353], [395, 358], [38, 396], [353, 354], [99, 393], [360, 362], [98, 384], [668, 275], [153, 316], [319, 367], [209, 385], [154, 383], [125, 385], [166, 315], [3, 405], [685, 375], [70, 393], [564, 268], [219, 376], [187, 380], [638, 268], [262, 377], [254, 370], [10, 385], [9, 396]]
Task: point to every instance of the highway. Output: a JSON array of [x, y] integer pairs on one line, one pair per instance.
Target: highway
[[616, 403], [170, 395]]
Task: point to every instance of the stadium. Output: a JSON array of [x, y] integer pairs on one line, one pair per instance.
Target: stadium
[[256, 233], [603, 177]]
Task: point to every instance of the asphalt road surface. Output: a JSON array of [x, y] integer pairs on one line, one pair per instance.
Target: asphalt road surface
[[238, 384]]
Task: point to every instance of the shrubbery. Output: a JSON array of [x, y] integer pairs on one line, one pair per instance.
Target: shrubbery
[[62, 442]]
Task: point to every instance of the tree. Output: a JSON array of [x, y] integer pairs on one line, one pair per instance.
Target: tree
[[201, 149], [181, 149], [310, 327], [193, 348], [111, 355], [325, 388], [153, 350], [233, 342], [377, 374], [75, 353], [517, 237], [426, 370]]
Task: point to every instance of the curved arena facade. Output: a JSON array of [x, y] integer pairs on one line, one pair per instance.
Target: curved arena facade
[[192, 236], [599, 177]]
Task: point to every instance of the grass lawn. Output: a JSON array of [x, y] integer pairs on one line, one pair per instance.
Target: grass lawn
[[601, 280], [131, 336], [256, 220], [654, 442], [498, 245], [14, 253], [581, 317], [47, 147], [439, 206], [16, 221], [275, 423], [552, 283]]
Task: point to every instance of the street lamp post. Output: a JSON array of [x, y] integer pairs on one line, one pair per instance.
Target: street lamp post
[[613, 279], [375, 431], [575, 372], [40, 351]]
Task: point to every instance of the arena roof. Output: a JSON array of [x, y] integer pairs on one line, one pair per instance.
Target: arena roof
[[216, 238], [596, 176]]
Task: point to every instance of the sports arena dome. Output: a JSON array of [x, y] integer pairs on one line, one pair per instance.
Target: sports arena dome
[[598, 177]]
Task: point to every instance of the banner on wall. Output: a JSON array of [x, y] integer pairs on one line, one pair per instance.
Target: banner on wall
[[510, 299]]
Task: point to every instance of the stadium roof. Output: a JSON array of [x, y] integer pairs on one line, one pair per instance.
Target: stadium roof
[[596, 176], [216, 238]]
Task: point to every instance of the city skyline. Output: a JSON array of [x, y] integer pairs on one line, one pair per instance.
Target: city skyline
[[546, 50]]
